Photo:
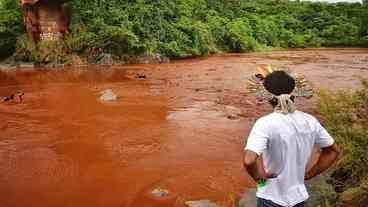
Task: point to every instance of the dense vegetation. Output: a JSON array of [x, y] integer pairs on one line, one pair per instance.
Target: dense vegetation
[[10, 26], [185, 28], [346, 117]]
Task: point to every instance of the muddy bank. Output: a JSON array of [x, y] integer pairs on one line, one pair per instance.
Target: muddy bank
[[168, 129]]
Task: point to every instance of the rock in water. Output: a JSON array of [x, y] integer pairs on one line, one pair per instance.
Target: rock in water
[[140, 76], [158, 192], [105, 59], [108, 95], [200, 203]]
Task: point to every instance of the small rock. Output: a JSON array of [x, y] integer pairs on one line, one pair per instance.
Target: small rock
[[105, 59], [200, 203], [27, 65], [248, 199], [152, 58], [159, 192], [232, 112], [6, 67], [108, 95]]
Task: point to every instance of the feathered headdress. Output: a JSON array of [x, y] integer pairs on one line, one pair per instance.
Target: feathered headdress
[[303, 88]]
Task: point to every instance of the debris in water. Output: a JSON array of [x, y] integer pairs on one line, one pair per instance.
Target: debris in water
[[232, 117], [141, 76], [200, 203], [8, 98], [159, 192], [13, 96], [20, 96], [108, 95]]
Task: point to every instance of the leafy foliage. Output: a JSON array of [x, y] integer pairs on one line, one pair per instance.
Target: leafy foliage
[[44, 52], [10, 26]]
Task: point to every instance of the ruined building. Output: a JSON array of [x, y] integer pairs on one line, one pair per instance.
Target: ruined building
[[45, 19]]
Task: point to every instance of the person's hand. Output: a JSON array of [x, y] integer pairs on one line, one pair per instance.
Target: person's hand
[[271, 175], [267, 176], [307, 175]]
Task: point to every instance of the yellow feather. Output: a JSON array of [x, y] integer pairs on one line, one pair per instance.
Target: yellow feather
[[269, 68]]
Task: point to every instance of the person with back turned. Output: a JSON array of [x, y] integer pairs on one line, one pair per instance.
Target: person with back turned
[[280, 145]]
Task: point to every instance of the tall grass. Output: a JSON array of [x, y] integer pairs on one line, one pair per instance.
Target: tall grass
[[346, 118]]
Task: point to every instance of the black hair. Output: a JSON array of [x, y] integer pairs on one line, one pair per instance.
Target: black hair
[[279, 82]]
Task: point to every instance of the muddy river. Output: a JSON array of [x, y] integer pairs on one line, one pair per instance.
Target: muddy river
[[181, 128]]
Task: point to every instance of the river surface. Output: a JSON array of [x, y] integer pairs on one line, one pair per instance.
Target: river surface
[[182, 128]]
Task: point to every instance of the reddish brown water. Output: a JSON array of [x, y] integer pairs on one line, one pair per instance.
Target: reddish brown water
[[63, 147]]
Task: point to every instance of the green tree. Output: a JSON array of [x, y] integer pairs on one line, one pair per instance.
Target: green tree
[[10, 26], [185, 28]]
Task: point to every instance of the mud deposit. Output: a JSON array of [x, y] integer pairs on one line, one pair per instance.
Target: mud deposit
[[179, 126]]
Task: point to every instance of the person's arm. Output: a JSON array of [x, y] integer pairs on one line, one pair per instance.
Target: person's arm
[[327, 157], [254, 165], [256, 145], [328, 154]]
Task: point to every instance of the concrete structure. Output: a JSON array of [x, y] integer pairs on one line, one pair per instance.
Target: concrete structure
[[45, 19]]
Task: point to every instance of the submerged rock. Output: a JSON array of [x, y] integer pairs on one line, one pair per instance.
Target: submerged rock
[[200, 203], [108, 95]]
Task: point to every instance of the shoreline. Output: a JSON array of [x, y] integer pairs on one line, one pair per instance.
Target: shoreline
[[35, 66]]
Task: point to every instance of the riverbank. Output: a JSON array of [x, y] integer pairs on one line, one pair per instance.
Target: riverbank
[[82, 62], [186, 28]]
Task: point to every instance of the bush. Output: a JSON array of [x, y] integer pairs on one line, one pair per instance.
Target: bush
[[346, 117], [340, 33], [44, 52], [199, 37], [217, 26], [265, 30], [239, 36], [177, 44]]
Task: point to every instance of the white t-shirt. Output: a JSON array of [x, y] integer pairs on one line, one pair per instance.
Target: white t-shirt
[[286, 143]]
